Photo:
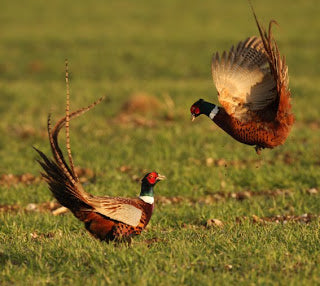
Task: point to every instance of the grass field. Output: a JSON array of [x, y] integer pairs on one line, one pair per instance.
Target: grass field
[[269, 204]]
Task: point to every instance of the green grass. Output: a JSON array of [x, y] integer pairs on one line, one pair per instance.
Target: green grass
[[116, 49]]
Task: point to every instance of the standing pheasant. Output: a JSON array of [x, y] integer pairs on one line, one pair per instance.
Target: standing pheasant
[[252, 84], [106, 218]]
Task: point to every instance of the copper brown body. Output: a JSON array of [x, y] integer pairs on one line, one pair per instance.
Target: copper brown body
[[263, 134], [107, 229]]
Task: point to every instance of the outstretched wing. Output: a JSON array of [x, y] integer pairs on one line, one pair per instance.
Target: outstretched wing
[[118, 209], [243, 79]]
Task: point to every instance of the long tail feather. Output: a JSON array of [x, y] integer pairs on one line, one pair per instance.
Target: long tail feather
[[57, 153], [53, 138], [67, 123], [61, 178]]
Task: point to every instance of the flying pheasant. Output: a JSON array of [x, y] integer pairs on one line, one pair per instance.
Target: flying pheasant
[[106, 218], [252, 84]]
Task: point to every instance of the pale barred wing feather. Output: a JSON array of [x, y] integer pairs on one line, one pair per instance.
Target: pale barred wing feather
[[243, 79], [117, 209]]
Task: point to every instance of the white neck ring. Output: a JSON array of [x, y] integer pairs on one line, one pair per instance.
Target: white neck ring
[[147, 199], [214, 112]]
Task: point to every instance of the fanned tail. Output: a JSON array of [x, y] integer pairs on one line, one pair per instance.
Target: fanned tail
[[279, 70], [61, 178], [68, 194]]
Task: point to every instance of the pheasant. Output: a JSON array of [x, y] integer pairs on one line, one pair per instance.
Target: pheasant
[[252, 83], [106, 218]]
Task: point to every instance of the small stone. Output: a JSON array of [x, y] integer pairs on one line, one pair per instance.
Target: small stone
[[214, 223], [221, 162], [256, 219], [312, 191], [209, 161], [233, 195], [34, 235], [31, 207], [59, 211]]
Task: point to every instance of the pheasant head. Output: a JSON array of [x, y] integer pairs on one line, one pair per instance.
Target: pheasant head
[[147, 184], [202, 107]]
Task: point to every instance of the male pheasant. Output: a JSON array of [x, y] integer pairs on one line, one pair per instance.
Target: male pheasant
[[106, 218], [252, 84]]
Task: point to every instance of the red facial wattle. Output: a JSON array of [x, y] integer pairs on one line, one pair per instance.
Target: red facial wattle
[[194, 110], [152, 178]]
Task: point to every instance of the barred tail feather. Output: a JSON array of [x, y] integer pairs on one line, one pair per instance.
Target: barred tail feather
[[67, 123], [56, 129]]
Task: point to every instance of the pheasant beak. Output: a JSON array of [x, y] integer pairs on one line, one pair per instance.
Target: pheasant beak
[[193, 117], [161, 177]]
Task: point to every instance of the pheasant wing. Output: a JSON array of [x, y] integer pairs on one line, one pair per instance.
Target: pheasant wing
[[117, 209], [243, 79]]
